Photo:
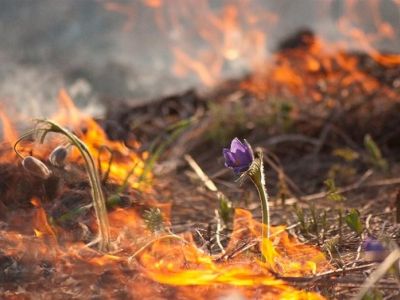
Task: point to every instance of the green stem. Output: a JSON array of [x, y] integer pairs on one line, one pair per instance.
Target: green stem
[[258, 178], [262, 193]]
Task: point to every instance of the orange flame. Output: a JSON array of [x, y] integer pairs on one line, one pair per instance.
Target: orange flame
[[177, 262], [41, 225], [183, 264], [127, 164], [10, 135]]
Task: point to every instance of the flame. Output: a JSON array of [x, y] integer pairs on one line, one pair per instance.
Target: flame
[[123, 164], [351, 25], [211, 41], [126, 164], [176, 262], [10, 135], [40, 222], [183, 264]]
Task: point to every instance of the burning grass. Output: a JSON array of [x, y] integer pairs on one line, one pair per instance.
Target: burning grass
[[48, 230]]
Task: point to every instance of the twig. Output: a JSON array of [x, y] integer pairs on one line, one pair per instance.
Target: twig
[[104, 177], [238, 250], [148, 244], [218, 232], [359, 249], [323, 275], [199, 172], [290, 138], [212, 187], [322, 137], [357, 185]]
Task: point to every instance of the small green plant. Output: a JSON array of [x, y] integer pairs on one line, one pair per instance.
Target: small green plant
[[314, 219], [313, 222], [283, 190], [226, 121], [282, 114], [331, 245], [72, 214], [347, 154], [375, 157], [225, 209], [301, 218], [343, 171], [332, 192], [153, 219], [353, 220], [158, 147]]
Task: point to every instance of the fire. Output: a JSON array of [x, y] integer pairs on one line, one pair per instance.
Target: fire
[[213, 42], [327, 71], [40, 222], [9, 135], [156, 264], [163, 259], [180, 264], [126, 163]]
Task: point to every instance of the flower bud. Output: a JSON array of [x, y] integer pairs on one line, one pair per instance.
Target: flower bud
[[58, 156], [36, 167]]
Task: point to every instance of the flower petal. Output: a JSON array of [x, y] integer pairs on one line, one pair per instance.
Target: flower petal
[[242, 158], [237, 145], [229, 158], [249, 150]]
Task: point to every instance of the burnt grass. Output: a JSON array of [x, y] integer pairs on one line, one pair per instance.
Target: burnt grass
[[305, 142]]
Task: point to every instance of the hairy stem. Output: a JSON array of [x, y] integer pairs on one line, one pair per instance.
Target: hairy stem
[[257, 177], [262, 193]]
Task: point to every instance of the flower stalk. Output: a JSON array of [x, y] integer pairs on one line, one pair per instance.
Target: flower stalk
[[99, 203], [256, 174]]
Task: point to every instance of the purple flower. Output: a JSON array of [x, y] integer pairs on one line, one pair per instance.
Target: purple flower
[[239, 157], [371, 244], [374, 250]]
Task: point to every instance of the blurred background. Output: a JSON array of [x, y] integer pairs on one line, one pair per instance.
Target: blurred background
[[112, 51]]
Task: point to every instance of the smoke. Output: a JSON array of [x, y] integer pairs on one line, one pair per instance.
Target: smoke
[[130, 51]]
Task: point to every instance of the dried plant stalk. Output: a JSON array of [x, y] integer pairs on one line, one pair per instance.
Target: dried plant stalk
[[99, 203]]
